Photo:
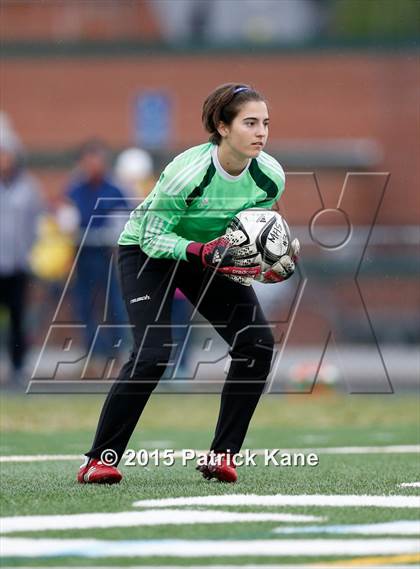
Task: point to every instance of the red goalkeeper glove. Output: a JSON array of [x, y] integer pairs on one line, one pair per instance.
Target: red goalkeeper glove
[[219, 255], [284, 268]]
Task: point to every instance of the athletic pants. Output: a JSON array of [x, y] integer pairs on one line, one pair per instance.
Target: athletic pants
[[91, 281], [148, 286], [12, 295]]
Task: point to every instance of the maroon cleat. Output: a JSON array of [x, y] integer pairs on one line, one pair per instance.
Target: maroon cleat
[[93, 471], [219, 466]]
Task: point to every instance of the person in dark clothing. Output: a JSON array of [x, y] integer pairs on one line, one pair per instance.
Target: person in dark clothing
[[96, 290], [20, 207]]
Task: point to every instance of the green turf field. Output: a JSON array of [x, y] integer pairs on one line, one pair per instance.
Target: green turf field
[[52, 425]]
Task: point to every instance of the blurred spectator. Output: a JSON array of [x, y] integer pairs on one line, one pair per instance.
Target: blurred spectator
[[51, 260], [53, 252], [134, 172], [96, 288], [8, 134], [20, 206]]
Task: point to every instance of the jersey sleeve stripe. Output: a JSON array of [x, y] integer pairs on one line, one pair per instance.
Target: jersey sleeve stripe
[[276, 168], [155, 240], [198, 190], [196, 160], [272, 171], [194, 166], [188, 177], [154, 231], [269, 158]]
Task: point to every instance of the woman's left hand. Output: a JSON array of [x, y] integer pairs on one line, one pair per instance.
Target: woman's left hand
[[284, 268]]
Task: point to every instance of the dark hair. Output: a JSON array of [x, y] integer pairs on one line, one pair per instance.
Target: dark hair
[[93, 146], [223, 104]]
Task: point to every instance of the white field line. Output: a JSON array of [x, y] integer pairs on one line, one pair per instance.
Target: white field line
[[410, 485], [391, 449], [285, 500], [242, 566], [387, 528], [306, 566], [39, 457], [93, 548], [201, 566], [143, 518], [224, 566]]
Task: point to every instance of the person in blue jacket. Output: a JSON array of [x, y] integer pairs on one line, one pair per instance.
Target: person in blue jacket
[[97, 199]]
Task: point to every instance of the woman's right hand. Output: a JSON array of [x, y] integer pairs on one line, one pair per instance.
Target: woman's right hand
[[221, 256]]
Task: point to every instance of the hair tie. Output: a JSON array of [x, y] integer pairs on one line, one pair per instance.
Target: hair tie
[[239, 89]]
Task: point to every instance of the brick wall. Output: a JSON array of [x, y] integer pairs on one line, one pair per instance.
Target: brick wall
[[75, 21], [56, 103]]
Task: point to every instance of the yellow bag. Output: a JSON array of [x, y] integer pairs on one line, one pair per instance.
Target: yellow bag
[[52, 255]]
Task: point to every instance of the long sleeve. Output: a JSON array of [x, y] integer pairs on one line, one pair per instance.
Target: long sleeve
[[156, 235], [153, 225]]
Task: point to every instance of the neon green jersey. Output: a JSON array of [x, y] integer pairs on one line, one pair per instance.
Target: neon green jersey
[[195, 199]]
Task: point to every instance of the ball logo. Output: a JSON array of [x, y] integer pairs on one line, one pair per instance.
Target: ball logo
[[276, 233]]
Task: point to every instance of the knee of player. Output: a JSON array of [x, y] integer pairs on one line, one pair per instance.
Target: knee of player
[[150, 363], [258, 346]]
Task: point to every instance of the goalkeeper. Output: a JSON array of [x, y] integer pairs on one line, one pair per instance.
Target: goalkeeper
[[175, 239]]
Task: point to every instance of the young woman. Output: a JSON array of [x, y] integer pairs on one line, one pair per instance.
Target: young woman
[[175, 239]]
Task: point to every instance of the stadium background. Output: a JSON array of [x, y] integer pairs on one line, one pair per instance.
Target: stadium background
[[342, 84], [81, 71]]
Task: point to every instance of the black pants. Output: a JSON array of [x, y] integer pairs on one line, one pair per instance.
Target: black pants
[[12, 295], [148, 287]]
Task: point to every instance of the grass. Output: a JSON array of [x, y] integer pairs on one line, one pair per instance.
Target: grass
[[58, 424], [70, 412]]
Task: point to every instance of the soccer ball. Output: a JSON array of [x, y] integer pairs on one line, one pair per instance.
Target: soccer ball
[[262, 234]]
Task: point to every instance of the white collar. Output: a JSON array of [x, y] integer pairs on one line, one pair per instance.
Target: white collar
[[223, 172]]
